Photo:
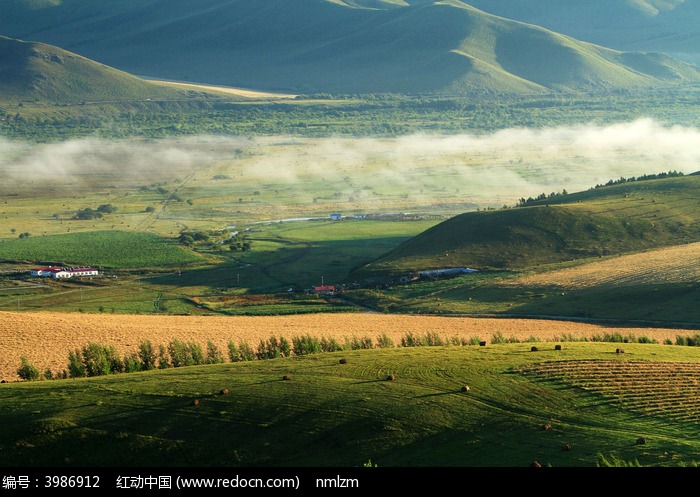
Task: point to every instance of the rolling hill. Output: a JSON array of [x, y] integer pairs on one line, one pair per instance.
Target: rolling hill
[[621, 218], [561, 407], [32, 71], [669, 26], [369, 46]]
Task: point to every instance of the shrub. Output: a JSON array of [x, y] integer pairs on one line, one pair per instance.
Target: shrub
[[48, 374], [432, 339], [132, 363], [196, 356], [214, 355], [247, 353], [179, 353], [26, 371], [234, 355], [101, 360], [498, 338], [356, 343], [615, 338], [285, 347], [330, 345], [269, 349], [302, 345], [384, 341], [163, 361], [147, 355], [411, 340], [76, 368]]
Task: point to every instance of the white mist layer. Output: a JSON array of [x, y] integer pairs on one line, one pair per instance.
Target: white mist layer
[[505, 164]]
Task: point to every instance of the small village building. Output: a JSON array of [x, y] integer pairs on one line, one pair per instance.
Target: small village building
[[325, 289], [65, 272]]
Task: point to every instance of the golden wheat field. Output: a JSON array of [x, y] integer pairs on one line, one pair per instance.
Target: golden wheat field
[[46, 338], [678, 264]]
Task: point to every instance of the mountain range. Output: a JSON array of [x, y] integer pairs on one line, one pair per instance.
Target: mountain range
[[364, 46]]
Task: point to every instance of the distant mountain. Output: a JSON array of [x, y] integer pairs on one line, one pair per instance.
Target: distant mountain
[[340, 46], [668, 26], [41, 72]]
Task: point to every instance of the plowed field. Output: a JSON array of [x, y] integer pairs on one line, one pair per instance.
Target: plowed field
[[46, 339]]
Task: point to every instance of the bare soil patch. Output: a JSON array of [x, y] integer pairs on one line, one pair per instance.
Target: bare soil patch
[[46, 338]]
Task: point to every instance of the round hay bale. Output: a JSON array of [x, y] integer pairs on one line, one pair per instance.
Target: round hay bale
[[641, 441], [619, 351], [224, 391], [195, 402], [286, 377], [547, 426], [566, 447], [557, 347], [391, 377], [534, 349], [482, 344], [343, 361], [466, 388]]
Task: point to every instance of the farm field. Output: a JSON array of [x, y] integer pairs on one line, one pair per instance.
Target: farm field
[[27, 334], [582, 405], [677, 264]]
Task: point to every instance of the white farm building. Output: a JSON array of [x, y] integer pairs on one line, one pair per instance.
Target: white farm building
[[65, 272]]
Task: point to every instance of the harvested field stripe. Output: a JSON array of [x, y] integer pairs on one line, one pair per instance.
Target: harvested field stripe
[[46, 338]]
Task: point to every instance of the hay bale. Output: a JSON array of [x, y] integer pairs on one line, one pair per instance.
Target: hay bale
[[557, 347], [286, 377], [566, 447], [224, 391], [391, 377], [534, 349], [466, 388], [619, 351], [641, 441], [482, 344], [343, 361], [195, 402], [535, 464], [547, 426]]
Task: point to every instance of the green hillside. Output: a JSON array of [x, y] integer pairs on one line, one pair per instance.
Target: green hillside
[[561, 407], [668, 26], [39, 72], [611, 220], [336, 46]]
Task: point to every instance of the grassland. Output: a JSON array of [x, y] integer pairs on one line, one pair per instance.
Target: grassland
[[561, 408]]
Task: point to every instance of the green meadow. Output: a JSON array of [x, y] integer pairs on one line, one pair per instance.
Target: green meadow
[[577, 404]]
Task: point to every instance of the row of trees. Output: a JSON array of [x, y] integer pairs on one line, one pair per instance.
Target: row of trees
[[96, 360]]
